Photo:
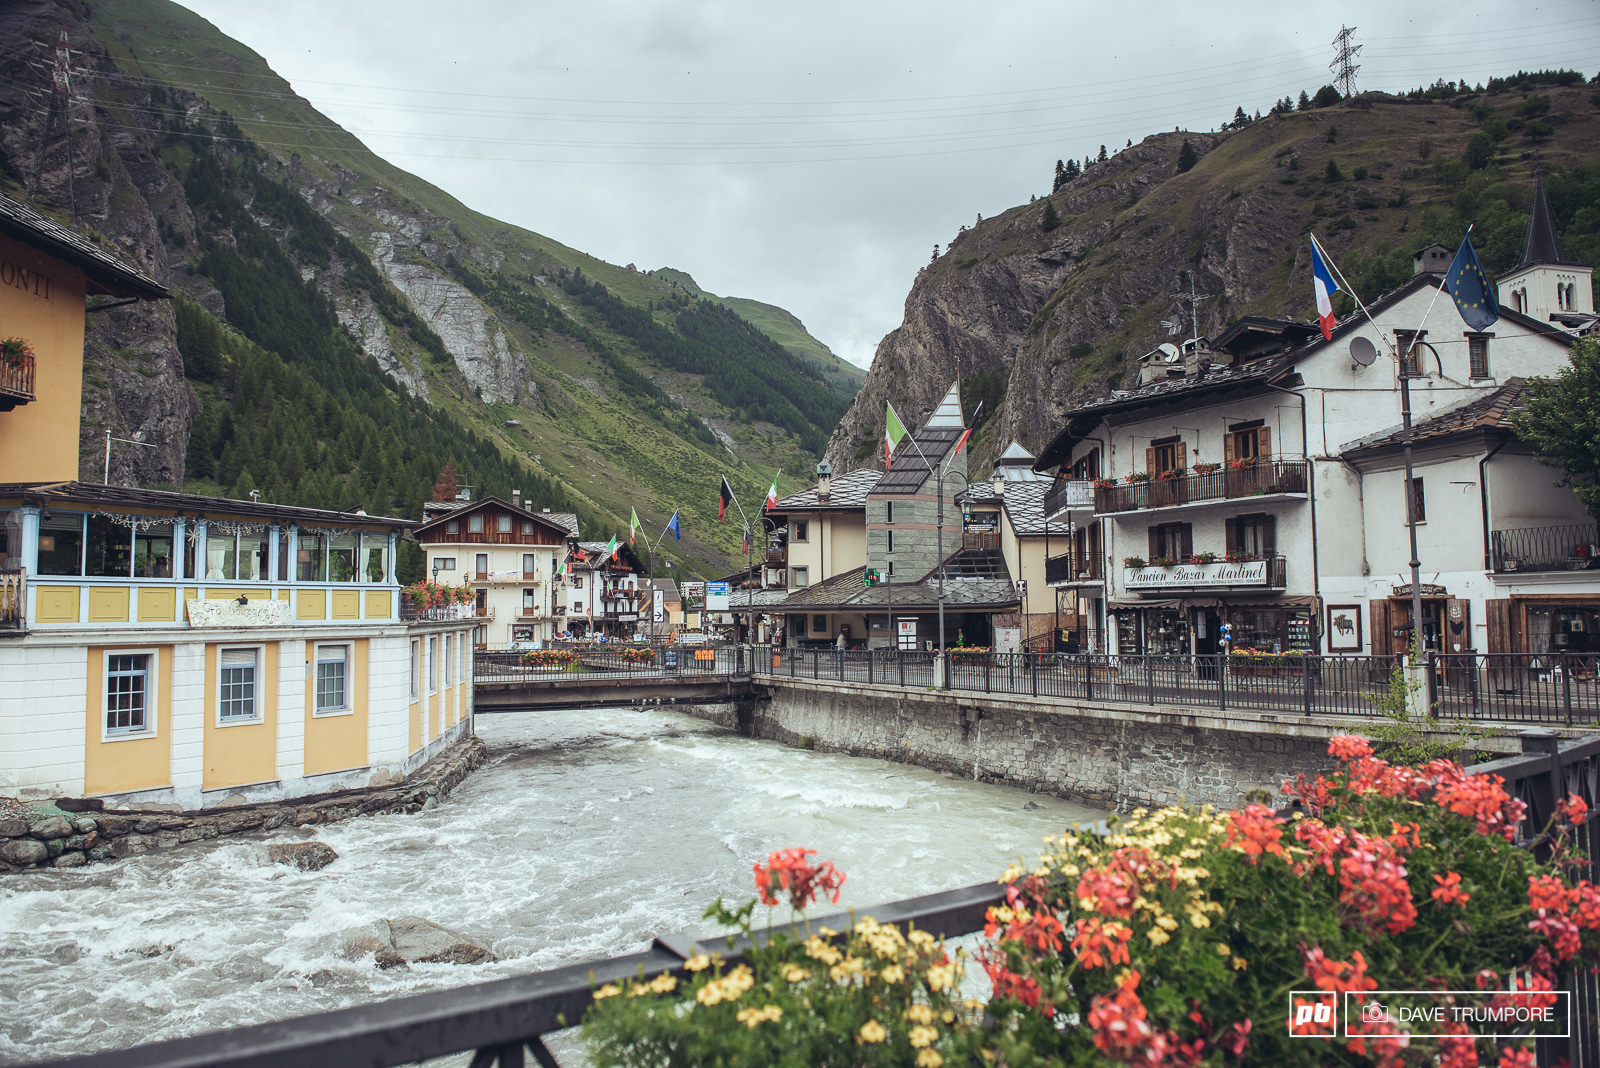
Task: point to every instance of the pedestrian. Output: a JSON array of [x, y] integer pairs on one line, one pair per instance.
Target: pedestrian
[[840, 645]]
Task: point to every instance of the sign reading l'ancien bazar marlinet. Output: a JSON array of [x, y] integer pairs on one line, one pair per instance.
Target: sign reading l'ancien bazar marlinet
[[1190, 576]]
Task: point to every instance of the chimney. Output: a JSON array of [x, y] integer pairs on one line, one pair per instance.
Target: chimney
[[824, 480], [516, 498], [997, 482]]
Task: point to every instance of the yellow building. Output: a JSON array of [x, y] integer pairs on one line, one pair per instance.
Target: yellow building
[[172, 648]]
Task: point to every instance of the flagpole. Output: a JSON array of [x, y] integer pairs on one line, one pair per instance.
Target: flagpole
[[750, 603], [1350, 289]]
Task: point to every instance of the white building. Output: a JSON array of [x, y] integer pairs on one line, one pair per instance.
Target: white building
[[601, 593]]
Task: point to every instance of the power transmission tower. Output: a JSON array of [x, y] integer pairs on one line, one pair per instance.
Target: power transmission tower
[[1344, 71]]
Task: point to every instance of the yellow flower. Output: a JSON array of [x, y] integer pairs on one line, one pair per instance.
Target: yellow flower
[[610, 990], [826, 932], [1223, 950], [1239, 964], [921, 1014], [663, 984], [948, 1016], [1157, 936], [846, 968], [817, 949], [892, 974], [795, 974], [1012, 873], [920, 938], [941, 976], [872, 1031], [698, 962], [1166, 923], [929, 1058], [751, 1017], [729, 988], [923, 1036]]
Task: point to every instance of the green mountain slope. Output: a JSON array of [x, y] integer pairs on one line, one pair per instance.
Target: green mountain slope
[[593, 387]]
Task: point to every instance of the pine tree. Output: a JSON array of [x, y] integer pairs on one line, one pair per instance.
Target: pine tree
[[1102, 157], [1332, 173], [1061, 176], [1305, 101], [444, 487], [1240, 119], [1048, 219], [1187, 158]]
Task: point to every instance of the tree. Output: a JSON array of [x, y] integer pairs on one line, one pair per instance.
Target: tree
[[1562, 422], [444, 487], [1332, 173], [1333, 134], [1479, 152], [1101, 158], [1048, 219], [1240, 119], [1187, 158], [1129, 144], [1305, 101], [1327, 96], [1061, 176]]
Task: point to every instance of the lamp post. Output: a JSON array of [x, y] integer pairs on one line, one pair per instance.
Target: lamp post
[[939, 551]]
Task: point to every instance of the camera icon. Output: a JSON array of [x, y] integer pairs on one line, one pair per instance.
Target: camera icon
[[1373, 1012]]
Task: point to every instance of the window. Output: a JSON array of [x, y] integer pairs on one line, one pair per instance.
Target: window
[[797, 626], [530, 564], [819, 624], [801, 529], [310, 561], [802, 576], [61, 545], [236, 685], [1478, 355], [152, 551], [891, 542], [1165, 455], [527, 526], [482, 565], [475, 524], [416, 647], [891, 569], [444, 563], [530, 601], [1419, 502], [237, 552], [108, 548], [1171, 541], [452, 526], [128, 688], [333, 678], [888, 512], [342, 552], [1410, 357], [577, 582], [433, 664], [502, 524], [447, 648], [377, 558], [1253, 535], [1087, 467], [1247, 441]]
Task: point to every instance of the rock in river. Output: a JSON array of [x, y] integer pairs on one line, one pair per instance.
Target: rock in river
[[307, 856], [412, 940]]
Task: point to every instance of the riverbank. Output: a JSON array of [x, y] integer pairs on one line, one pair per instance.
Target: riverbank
[[44, 835]]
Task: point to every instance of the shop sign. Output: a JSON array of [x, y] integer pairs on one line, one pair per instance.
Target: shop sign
[[717, 596], [1191, 576], [1428, 590]]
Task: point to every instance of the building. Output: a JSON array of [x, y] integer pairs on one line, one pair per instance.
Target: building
[[1545, 285], [1259, 483], [869, 554], [602, 592], [508, 554], [179, 649]]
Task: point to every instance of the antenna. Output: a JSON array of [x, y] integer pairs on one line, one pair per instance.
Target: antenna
[[1194, 313], [1363, 351], [1172, 326], [1344, 71]]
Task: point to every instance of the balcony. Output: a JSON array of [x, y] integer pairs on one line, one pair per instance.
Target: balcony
[[1258, 573], [1068, 494], [1070, 569], [16, 381], [13, 599], [980, 540], [778, 558], [1574, 547], [444, 613], [1270, 478]]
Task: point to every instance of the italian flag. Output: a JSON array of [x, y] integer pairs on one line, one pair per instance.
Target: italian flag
[[894, 431], [772, 497], [612, 546], [633, 524]]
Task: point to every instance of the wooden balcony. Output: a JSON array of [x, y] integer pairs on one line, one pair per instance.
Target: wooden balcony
[[16, 382], [1265, 479], [981, 540]]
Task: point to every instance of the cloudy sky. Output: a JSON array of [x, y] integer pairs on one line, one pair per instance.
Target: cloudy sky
[[811, 155]]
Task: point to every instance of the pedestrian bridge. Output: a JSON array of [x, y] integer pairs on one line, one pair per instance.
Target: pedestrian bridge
[[514, 681]]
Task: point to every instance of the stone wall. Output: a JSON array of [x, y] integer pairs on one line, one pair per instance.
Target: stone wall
[[73, 839], [1112, 755]]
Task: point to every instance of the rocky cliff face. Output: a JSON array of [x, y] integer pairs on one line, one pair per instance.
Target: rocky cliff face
[[62, 153]]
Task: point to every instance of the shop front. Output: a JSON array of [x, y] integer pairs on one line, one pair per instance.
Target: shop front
[[1545, 624], [1195, 625]]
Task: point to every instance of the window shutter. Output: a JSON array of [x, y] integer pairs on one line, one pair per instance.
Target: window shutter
[[1231, 528], [1497, 614], [1155, 542], [1227, 448], [1383, 642], [1457, 625], [1182, 452], [1269, 535], [1264, 442], [1150, 460], [1186, 539]]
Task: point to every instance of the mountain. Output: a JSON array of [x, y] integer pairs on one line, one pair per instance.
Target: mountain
[[1049, 304], [344, 329]]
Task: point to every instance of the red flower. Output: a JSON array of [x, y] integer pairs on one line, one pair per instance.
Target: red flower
[[1573, 809], [1008, 984], [788, 870], [1521, 1057], [1486, 979], [1236, 1039], [1483, 799], [1098, 945], [1561, 932], [1547, 893], [1120, 1028], [1373, 881], [1336, 975], [1255, 831], [1586, 905], [1349, 747], [1449, 890]]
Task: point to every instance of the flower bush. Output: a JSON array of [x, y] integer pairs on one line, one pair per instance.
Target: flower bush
[[1178, 937], [872, 995], [1133, 561], [1206, 468], [550, 658], [1240, 556], [427, 594], [1246, 464], [15, 351], [1163, 561], [1138, 476], [1104, 483], [1172, 474], [639, 654], [1206, 557]]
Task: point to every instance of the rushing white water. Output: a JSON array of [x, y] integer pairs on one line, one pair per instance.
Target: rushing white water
[[586, 834]]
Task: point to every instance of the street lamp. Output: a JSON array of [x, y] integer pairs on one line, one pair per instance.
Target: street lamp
[[939, 551]]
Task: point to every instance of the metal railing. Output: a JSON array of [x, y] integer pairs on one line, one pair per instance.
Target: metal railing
[[607, 661], [1074, 567], [498, 1019], [1065, 493], [1224, 484], [14, 598], [1547, 770], [16, 380], [443, 613], [1563, 548], [1515, 688]]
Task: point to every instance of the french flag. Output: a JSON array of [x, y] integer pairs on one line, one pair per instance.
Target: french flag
[[1322, 281]]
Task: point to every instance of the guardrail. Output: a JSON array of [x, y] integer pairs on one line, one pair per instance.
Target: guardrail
[[597, 663], [1225, 484], [1065, 493], [1511, 687], [1073, 567]]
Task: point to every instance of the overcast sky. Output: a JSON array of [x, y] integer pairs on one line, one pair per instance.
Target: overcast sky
[[811, 155]]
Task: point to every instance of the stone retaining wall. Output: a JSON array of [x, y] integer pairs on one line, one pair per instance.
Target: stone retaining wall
[[1106, 754], [73, 839]]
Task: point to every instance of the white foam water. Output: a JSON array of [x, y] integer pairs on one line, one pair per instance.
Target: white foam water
[[588, 833]]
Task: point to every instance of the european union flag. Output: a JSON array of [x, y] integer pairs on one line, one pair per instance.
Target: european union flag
[[1470, 288], [677, 531]]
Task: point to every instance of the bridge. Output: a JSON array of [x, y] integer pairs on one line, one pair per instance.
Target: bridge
[[636, 675]]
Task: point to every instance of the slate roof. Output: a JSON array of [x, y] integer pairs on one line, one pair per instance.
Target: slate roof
[[1542, 244], [595, 551], [569, 520], [1023, 504], [65, 495], [848, 490], [105, 274], [845, 592], [910, 468], [1488, 411]]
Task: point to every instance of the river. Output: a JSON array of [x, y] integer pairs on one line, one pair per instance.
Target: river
[[586, 834]]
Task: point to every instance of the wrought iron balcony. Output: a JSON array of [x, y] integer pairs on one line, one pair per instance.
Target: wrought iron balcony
[[1068, 493], [16, 381], [410, 613], [1070, 568], [1264, 479], [1574, 547]]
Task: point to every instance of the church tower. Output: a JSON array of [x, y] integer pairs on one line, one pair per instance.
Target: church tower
[[1544, 285]]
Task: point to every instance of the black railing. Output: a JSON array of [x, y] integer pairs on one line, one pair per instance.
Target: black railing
[[1065, 493], [1546, 772], [1224, 484], [1074, 567], [1513, 688], [598, 662], [498, 1019], [1575, 547]]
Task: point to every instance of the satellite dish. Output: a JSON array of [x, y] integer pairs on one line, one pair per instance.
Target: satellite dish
[[1363, 351], [1169, 351]]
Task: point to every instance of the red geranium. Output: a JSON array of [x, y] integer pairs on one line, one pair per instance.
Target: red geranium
[[789, 871]]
